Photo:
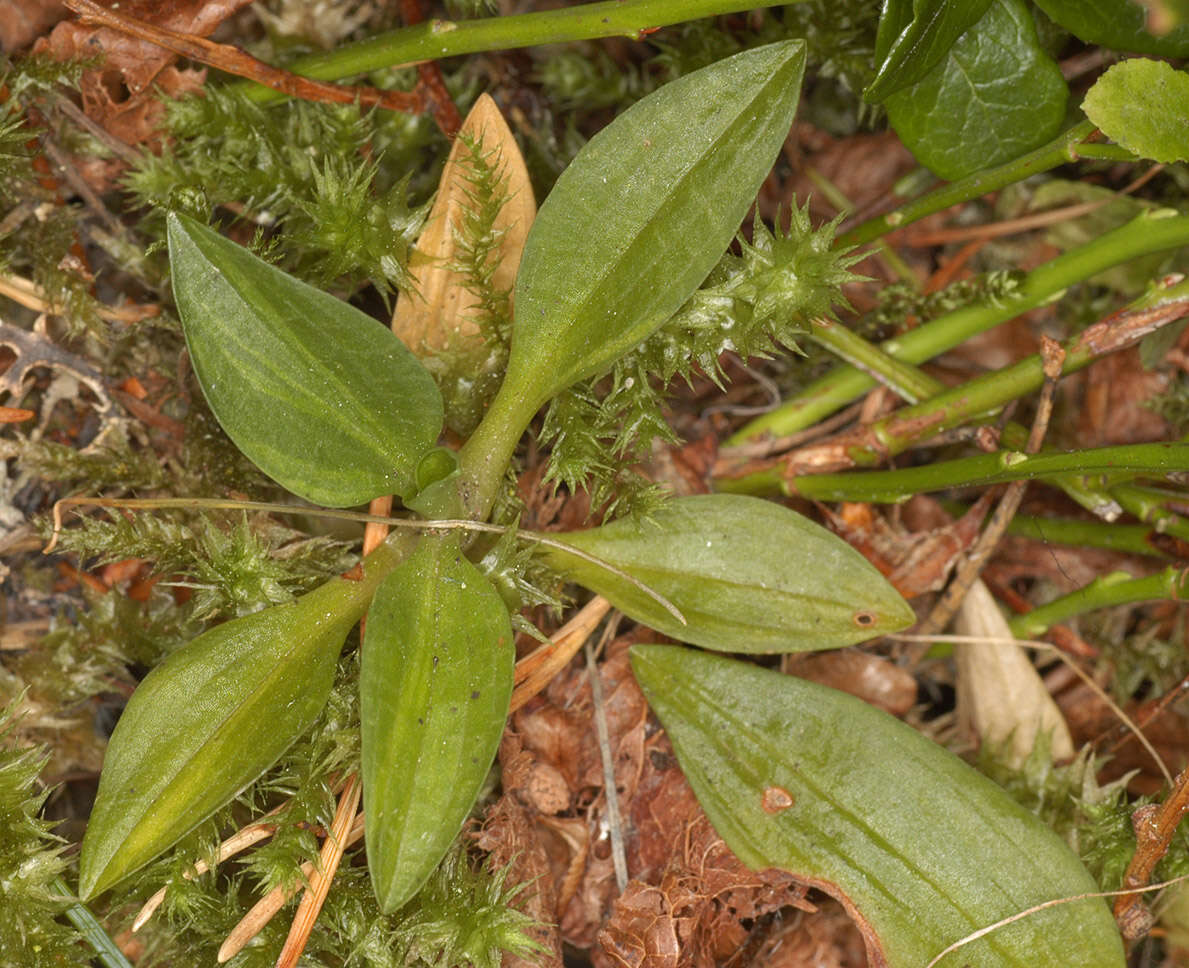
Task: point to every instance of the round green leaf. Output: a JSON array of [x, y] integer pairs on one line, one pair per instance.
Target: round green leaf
[[1144, 106], [1118, 24], [323, 398], [996, 95]]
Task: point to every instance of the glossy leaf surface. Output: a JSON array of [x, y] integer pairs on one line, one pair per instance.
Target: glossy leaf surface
[[435, 685], [748, 575], [1118, 24], [1144, 106], [996, 95], [798, 776], [643, 213], [323, 398], [914, 35], [210, 719]]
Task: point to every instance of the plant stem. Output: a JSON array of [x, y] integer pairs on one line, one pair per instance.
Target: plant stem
[[908, 381], [873, 444], [1104, 152], [1147, 233], [892, 487], [1148, 504], [433, 39], [1117, 588], [1134, 539], [915, 385], [92, 931], [485, 457], [1066, 147]]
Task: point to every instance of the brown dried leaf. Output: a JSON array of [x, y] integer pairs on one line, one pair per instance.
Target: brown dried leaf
[[690, 901], [872, 678], [124, 94], [23, 21], [1115, 395], [509, 836], [440, 313], [827, 939], [138, 62], [863, 167], [1000, 694], [913, 562]]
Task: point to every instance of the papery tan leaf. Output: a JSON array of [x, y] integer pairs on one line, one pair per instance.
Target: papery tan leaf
[[1000, 693], [441, 311]]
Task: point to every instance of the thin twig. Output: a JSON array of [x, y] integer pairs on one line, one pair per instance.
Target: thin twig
[[951, 600], [1147, 713], [263, 911], [121, 149], [1154, 829], [610, 790], [232, 60], [534, 671], [1025, 223], [240, 840], [428, 527], [1037, 908], [431, 81], [319, 886]]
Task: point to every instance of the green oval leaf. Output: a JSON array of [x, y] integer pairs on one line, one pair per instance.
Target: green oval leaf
[[747, 575], [1118, 24], [642, 215], [801, 777], [913, 36], [323, 398], [209, 720], [1142, 105], [435, 685], [996, 95]]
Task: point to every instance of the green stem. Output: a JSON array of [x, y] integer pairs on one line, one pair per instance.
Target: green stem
[[1134, 539], [1063, 149], [1117, 588], [485, 457], [915, 385], [906, 380], [911, 425], [1101, 152], [892, 487], [1148, 504], [1147, 233], [434, 39], [91, 930]]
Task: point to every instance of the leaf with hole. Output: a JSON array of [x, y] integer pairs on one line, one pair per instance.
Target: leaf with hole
[[435, 685], [211, 718], [747, 575], [323, 398], [920, 848]]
